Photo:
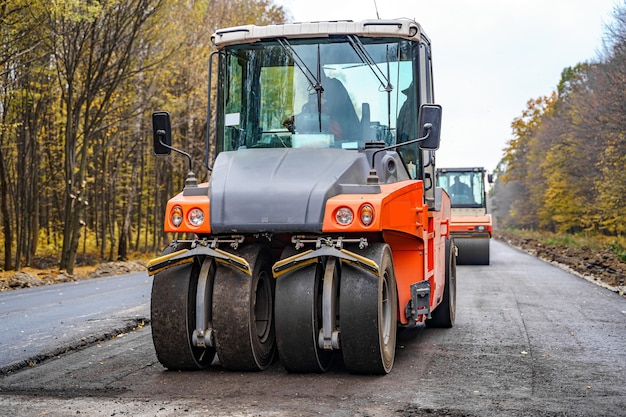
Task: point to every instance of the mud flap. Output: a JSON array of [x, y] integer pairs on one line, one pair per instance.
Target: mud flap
[[419, 302]]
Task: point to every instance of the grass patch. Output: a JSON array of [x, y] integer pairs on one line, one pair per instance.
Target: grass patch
[[618, 249], [592, 242]]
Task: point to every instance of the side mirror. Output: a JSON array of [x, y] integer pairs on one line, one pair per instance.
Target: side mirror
[[429, 123], [162, 133]]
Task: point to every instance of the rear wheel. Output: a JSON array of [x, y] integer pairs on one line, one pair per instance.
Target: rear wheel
[[173, 317], [243, 313], [298, 315], [444, 314], [368, 314]]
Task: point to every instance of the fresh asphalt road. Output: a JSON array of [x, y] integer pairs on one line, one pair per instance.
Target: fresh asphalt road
[[41, 321], [530, 340]]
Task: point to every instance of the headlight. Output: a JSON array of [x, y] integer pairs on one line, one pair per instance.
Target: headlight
[[480, 228], [195, 217], [366, 213], [344, 216], [176, 216]]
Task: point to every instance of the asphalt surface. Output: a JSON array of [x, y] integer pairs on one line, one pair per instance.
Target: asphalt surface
[[529, 340], [42, 321]]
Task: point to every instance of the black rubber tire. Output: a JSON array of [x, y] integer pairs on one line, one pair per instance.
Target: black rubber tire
[[173, 317], [473, 251], [298, 315], [243, 313], [368, 314], [444, 314]]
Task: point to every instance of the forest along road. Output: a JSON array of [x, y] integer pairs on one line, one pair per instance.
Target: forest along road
[[39, 322], [530, 340]]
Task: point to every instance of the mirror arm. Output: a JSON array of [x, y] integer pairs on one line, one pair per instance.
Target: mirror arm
[[191, 178], [427, 126]]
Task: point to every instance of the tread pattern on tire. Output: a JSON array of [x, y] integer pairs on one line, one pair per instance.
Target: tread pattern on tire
[[172, 312]]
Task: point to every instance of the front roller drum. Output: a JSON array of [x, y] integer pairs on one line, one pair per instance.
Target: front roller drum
[[368, 306], [473, 251], [173, 317], [243, 320]]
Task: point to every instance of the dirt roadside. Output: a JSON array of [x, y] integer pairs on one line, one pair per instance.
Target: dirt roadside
[[46, 275], [603, 268]]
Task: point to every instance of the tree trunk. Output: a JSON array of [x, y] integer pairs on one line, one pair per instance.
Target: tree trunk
[[70, 198], [4, 211], [122, 253]]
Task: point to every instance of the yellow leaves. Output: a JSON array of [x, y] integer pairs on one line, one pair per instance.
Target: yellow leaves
[[77, 10], [90, 73], [525, 129], [566, 157], [562, 205], [531, 116]]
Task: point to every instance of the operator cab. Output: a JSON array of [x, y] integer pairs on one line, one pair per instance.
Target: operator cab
[[465, 186], [325, 85]]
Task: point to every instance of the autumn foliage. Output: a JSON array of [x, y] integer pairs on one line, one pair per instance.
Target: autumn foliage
[[78, 82], [564, 170]]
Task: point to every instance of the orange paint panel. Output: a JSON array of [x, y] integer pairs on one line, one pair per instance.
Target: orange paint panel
[[353, 201], [397, 207], [457, 228], [409, 269], [188, 203], [438, 266], [470, 223], [472, 219], [408, 261]]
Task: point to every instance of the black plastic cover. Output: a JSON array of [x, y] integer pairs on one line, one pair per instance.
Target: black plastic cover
[[281, 189]]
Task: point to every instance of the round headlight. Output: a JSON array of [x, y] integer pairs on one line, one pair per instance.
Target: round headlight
[[344, 216], [195, 217], [480, 228], [176, 216], [366, 214]]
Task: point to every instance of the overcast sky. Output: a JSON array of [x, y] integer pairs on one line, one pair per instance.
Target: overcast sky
[[489, 58]]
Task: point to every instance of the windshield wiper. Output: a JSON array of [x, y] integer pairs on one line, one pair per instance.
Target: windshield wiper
[[360, 50], [314, 80]]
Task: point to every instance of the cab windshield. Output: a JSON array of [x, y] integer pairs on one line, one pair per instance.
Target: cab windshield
[[466, 188], [328, 92]]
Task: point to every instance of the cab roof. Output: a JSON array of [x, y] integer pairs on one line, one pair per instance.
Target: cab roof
[[397, 28]]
